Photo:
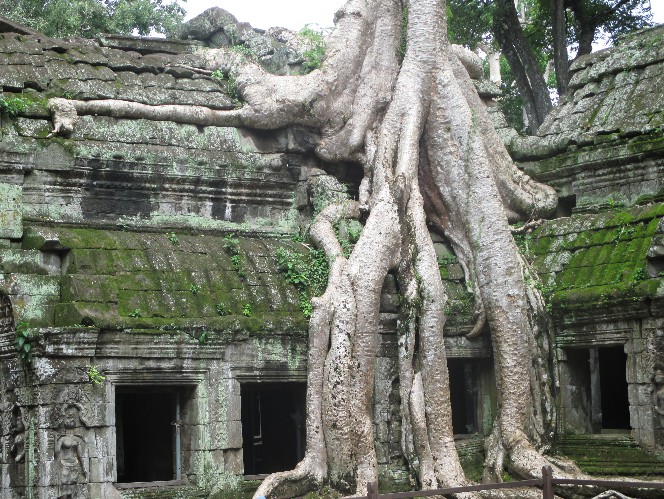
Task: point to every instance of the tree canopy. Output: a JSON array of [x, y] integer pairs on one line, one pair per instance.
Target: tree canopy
[[88, 18], [534, 37]]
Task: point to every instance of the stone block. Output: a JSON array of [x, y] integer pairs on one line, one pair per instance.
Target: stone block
[[54, 157], [95, 489], [52, 491], [442, 250], [234, 438], [48, 472], [196, 437], [101, 470], [382, 452], [635, 346], [233, 461], [382, 431], [234, 407], [30, 285], [4, 475], [646, 426], [44, 418], [639, 394], [99, 443], [38, 310], [89, 288], [389, 302], [17, 261], [193, 409], [643, 369], [95, 467], [11, 198]]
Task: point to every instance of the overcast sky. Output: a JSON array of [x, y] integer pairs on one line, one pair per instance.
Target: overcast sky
[[294, 14]]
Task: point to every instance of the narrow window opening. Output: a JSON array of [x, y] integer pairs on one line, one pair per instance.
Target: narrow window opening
[[148, 433], [566, 205], [273, 426]]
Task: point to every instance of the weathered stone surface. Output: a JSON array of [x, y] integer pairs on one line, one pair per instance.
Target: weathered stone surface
[[118, 252], [604, 142], [10, 211]]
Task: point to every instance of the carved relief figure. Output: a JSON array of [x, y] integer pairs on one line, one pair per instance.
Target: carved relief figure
[[658, 402], [70, 450], [17, 449]]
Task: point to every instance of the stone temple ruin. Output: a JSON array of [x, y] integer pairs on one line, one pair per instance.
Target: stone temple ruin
[[166, 351]]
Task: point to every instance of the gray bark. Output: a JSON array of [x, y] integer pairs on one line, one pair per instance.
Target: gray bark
[[522, 60], [559, 33]]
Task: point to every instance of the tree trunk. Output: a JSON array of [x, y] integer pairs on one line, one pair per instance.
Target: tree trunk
[[559, 34], [522, 61], [430, 156], [586, 27]]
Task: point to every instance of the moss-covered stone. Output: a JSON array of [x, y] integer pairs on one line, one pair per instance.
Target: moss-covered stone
[[610, 455], [165, 281], [596, 260]]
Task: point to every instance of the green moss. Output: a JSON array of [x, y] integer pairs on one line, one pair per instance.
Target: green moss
[[18, 104], [88, 288], [392, 479], [85, 313], [605, 257], [473, 468], [307, 272], [616, 456], [110, 274]]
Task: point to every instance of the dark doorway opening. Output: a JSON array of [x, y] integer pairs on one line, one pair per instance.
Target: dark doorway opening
[[613, 388], [273, 426], [463, 396], [148, 433], [594, 390]]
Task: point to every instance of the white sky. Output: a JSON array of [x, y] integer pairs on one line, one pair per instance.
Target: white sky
[[294, 14]]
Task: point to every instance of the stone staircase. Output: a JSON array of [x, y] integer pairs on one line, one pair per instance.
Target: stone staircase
[[610, 454]]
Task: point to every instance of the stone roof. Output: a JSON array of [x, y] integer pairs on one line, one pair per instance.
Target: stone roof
[[119, 280], [604, 142], [614, 90], [607, 264], [86, 221], [135, 172]]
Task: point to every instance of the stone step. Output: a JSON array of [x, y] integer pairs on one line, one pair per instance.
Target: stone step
[[610, 455]]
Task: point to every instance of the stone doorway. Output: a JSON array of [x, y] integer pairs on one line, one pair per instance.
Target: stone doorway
[[463, 396], [594, 390], [273, 426], [472, 395], [148, 433]]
